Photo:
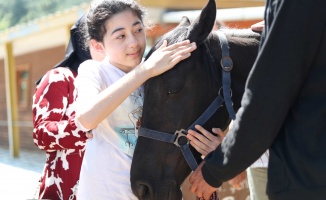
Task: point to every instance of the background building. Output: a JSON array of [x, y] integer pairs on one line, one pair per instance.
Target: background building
[[28, 50]]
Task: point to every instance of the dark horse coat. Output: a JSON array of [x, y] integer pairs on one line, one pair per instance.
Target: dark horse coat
[[175, 99]]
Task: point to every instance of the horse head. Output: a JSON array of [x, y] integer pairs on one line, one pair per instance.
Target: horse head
[[177, 98]]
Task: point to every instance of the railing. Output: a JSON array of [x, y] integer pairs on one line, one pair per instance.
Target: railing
[[17, 123]]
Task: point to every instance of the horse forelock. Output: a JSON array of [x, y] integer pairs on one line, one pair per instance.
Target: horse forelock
[[178, 34]]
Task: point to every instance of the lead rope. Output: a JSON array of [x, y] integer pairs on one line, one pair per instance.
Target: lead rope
[[214, 196]]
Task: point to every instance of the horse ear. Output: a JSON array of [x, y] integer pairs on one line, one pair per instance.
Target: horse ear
[[203, 24], [185, 22]]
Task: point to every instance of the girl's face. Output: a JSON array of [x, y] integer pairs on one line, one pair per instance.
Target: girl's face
[[125, 41]]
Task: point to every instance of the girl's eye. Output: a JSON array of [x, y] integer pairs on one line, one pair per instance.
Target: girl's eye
[[139, 30], [121, 36]]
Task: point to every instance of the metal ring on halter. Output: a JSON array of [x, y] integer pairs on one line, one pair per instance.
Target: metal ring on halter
[[180, 134], [221, 88]]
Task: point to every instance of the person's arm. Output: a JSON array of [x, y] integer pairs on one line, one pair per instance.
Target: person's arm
[[54, 126], [273, 85], [102, 104]]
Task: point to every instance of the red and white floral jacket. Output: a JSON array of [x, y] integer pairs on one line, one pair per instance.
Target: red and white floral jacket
[[56, 134]]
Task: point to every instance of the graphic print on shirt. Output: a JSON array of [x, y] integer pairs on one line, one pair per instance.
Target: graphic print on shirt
[[130, 134], [135, 116], [129, 114]]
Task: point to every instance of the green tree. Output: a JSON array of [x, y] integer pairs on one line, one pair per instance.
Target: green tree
[[5, 16], [18, 10], [14, 12]]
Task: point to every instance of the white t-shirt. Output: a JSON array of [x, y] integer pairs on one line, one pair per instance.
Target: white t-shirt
[[262, 161], [105, 172]]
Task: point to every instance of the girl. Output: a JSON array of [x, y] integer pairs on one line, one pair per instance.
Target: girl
[[110, 94]]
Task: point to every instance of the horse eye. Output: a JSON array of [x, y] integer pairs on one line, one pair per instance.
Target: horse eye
[[173, 85], [173, 92], [170, 93]]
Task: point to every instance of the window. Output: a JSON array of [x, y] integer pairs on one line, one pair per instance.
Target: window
[[23, 86]]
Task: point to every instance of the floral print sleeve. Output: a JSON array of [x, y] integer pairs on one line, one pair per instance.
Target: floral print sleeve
[[53, 112]]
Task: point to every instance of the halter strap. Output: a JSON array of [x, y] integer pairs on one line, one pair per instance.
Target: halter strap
[[179, 137], [227, 65], [209, 112]]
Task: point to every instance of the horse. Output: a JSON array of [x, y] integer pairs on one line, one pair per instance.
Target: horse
[[181, 97]]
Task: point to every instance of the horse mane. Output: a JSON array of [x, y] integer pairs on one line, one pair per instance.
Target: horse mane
[[242, 33], [242, 37]]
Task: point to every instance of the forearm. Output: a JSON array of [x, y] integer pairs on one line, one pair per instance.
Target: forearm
[[106, 101]]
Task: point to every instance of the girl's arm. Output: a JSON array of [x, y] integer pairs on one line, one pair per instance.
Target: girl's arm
[[102, 105]]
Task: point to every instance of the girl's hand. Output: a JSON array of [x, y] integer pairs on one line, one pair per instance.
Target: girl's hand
[[205, 142], [166, 57]]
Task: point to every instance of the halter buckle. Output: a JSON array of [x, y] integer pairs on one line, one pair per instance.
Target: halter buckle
[[181, 138], [226, 63]]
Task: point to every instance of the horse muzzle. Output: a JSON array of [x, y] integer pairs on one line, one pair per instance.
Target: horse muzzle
[[168, 191]]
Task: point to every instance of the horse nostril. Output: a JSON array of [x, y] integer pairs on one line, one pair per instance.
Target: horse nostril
[[143, 191]]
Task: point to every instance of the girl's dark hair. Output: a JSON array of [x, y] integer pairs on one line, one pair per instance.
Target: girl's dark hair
[[100, 11]]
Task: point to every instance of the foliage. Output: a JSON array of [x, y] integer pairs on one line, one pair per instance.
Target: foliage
[[13, 12]]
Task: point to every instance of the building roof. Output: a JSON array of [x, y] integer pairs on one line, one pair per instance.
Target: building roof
[[53, 30], [228, 14]]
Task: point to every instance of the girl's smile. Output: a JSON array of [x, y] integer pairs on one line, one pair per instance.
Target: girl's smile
[[136, 54]]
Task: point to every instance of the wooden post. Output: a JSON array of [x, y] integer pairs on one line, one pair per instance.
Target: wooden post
[[11, 98], [68, 34]]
